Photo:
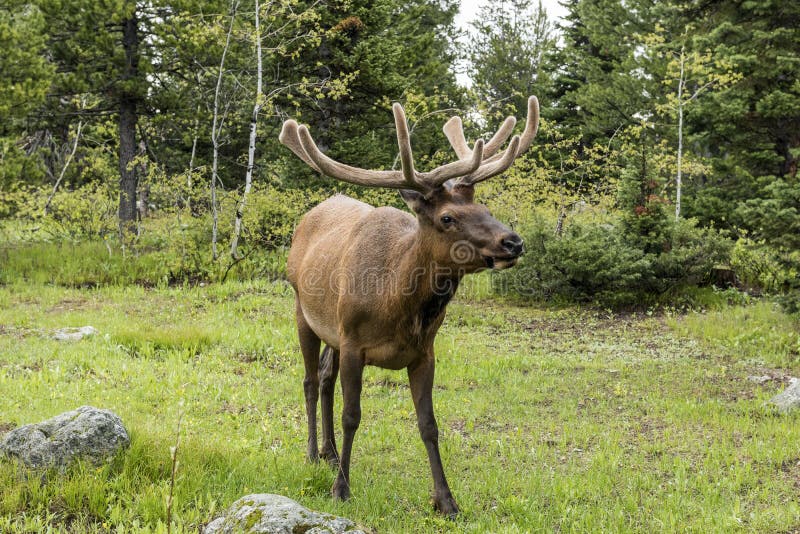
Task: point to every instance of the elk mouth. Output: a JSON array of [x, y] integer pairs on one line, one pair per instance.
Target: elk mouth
[[498, 263]]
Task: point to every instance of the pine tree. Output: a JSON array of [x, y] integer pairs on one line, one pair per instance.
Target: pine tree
[[109, 53], [388, 51], [601, 87], [24, 80], [509, 54]]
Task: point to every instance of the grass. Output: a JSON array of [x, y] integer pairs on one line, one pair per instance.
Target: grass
[[550, 420], [760, 333], [153, 261]]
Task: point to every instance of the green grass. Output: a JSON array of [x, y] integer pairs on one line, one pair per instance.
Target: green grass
[[160, 260], [760, 333], [558, 420]]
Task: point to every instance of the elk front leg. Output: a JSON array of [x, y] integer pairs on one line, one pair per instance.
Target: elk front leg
[[309, 346], [420, 377], [351, 369], [328, 371]]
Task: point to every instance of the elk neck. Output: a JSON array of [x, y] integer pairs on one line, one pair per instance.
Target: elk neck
[[429, 285]]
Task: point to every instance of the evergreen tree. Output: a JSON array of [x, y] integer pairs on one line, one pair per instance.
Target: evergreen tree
[[746, 130], [388, 50], [109, 51], [24, 80], [509, 54], [757, 121], [601, 86]]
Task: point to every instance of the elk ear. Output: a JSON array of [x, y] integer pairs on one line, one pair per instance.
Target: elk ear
[[414, 199]]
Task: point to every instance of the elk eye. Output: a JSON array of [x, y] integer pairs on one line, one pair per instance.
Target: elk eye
[[447, 219]]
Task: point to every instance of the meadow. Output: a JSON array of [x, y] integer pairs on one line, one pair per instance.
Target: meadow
[[551, 419]]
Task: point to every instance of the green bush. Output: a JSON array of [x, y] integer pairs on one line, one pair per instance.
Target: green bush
[[272, 214], [757, 266], [76, 244], [590, 261], [87, 212], [689, 258], [604, 264]]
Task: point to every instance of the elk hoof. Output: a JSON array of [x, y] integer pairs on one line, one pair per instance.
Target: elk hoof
[[340, 490], [446, 506], [312, 454], [331, 457]]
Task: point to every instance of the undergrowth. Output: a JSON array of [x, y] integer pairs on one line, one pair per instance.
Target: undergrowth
[[558, 419]]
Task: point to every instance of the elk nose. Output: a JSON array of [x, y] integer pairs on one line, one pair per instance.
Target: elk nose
[[512, 243]]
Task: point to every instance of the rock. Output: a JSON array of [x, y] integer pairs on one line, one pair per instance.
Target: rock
[[74, 334], [789, 399], [88, 433], [263, 513], [759, 379]]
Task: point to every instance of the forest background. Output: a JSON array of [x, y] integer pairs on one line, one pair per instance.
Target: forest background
[[138, 140], [617, 379]]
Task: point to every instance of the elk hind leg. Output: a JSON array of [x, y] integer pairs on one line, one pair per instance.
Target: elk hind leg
[[328, 372], [309, 346], [351, 368]]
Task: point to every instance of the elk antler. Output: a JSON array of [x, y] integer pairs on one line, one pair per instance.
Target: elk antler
[[493, 164], [299, 141], [474, 165]]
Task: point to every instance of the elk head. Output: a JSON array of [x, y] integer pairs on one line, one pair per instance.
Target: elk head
[[460, 234]]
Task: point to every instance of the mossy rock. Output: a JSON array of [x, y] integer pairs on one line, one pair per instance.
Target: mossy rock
[[87, 433], [275, 514]]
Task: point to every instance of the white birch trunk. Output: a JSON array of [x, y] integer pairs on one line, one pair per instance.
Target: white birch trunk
[[64, 168], [251, 152], [679, 177], [215, 131], [190, 174]]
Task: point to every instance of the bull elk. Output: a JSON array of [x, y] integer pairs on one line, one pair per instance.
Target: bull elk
[[373, 283]]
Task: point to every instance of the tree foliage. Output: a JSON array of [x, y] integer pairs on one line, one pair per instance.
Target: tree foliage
[[640, 100]]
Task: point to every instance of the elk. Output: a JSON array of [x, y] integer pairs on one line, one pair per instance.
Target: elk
[[373, 283]]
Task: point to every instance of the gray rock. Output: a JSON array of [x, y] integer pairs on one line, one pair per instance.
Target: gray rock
[[759, 379], [263, 513], [88, 433], [74, 334], [789, 399]]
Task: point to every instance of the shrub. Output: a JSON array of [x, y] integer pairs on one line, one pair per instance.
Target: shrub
[[690, 256], [757, 266], [77, 244], [89, 211], [604, 264], [272, 214], [590, 262]]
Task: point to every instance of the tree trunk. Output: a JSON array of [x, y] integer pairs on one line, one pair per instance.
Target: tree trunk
[[679, 178], [251, 153], [128, 100], [189, 175], [215, 131], [784, 147], [64, 168]]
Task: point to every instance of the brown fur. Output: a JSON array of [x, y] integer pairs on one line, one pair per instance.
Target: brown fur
[[373, 283]]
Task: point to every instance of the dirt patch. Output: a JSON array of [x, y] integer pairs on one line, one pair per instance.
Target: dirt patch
[[6, 427], [16, 332], [765, 376], [791, 468], [249, 357], [484, 425], [459, 426], [236, 409], [584, 322], [73, 304], [386, 382]]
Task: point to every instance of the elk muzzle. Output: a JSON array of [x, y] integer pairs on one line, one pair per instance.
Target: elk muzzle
[[509, 249]]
